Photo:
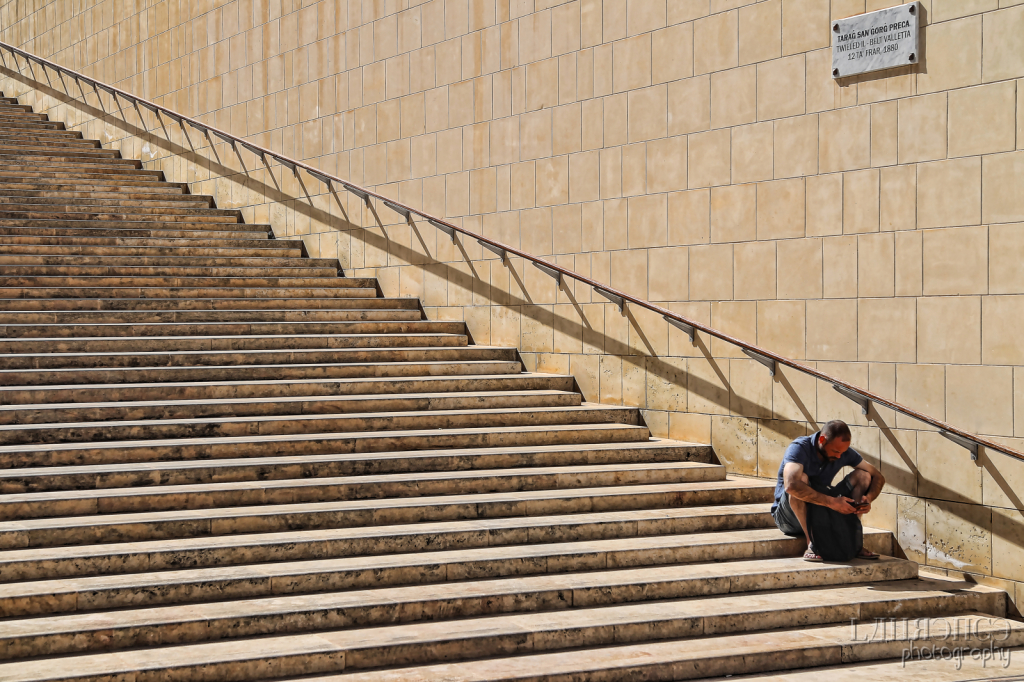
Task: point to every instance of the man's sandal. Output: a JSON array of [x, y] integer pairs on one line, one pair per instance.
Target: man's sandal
[[866, 553], [811, 555]]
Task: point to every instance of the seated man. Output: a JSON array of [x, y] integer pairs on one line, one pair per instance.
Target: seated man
[[805, 477]]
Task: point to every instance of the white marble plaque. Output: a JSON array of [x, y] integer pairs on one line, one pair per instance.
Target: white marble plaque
[[874, 41]]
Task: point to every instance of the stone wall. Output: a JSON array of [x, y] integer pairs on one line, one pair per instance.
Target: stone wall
[[694, 152]]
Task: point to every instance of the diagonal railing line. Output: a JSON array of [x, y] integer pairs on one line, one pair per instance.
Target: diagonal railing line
[[771, 360]]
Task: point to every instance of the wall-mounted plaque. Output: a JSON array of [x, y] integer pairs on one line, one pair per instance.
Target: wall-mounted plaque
[[874, 41]]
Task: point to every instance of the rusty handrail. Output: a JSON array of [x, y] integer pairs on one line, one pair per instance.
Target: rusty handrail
[[768, 358]]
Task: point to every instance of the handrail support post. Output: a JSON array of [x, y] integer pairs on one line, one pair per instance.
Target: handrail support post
[[678, 324], [614, 298], [763, 359], [864, 403], [965, 443]]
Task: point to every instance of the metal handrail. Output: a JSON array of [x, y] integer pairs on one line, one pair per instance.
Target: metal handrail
[[855, 393]]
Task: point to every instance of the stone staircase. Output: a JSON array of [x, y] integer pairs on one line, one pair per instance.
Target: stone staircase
[[222, 460]]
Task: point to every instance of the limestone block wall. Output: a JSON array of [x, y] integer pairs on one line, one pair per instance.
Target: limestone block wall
[[694, 152]]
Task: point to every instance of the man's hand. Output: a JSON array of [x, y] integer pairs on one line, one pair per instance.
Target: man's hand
[[864, 509], [842, 505]]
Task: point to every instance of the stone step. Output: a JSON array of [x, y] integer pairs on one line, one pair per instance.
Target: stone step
[[18, 171], [281, 250], [126, 187], [282, 388], [470, 549], [841, 650], [43, 135], [275, 518], [199, 283], [209, 496], [44, 198], [64, 157], [170, 264], [225, 328], [151, 293], [220, 302], [596, 587], [237, 231], [380, 643], [258, 240], [310, 370], [77, 454], [47, 207], [32, 125], [129, 270], [66, 142], [56, 435], [598, 599], [7, 119], [125, 214], [84, 167], [91, 477], [140, 317], [297, 354], [45, 153], [278, 342], [143, 360]]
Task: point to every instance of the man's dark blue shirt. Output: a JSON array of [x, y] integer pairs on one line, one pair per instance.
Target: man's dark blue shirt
[[820, 470]]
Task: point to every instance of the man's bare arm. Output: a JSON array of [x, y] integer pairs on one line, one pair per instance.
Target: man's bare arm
[[877, 480], [795, 486]]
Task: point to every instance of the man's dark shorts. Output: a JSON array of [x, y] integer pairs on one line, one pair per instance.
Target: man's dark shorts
[[786, 520]]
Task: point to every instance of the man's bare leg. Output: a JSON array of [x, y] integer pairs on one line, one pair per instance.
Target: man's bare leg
[[861, 481], [799, 508]]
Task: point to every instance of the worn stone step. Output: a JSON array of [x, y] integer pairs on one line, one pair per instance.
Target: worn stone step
[[130, 270], [17, 253], [70, 198], [151, 293], [691, 611], [75, 234], [33, 125], [86, 167], [164, 525], [158, 282], [88, 477], [179, 449], [624, 583], [253, 389], [47, 207], [197, 496], [125, 186], [226, 328], [13, 435], [225, 343], [460, 550], [30, 151], [43, 135], [164, 260], [379, 643], [84, 318], [246, 240], [310, 370], [66, 158], [299, 354], [67, 142], [840, 650], [121, 213], [207, 303], [186, 223]]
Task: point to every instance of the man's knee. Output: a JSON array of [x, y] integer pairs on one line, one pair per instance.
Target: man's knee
[[861, 477]]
